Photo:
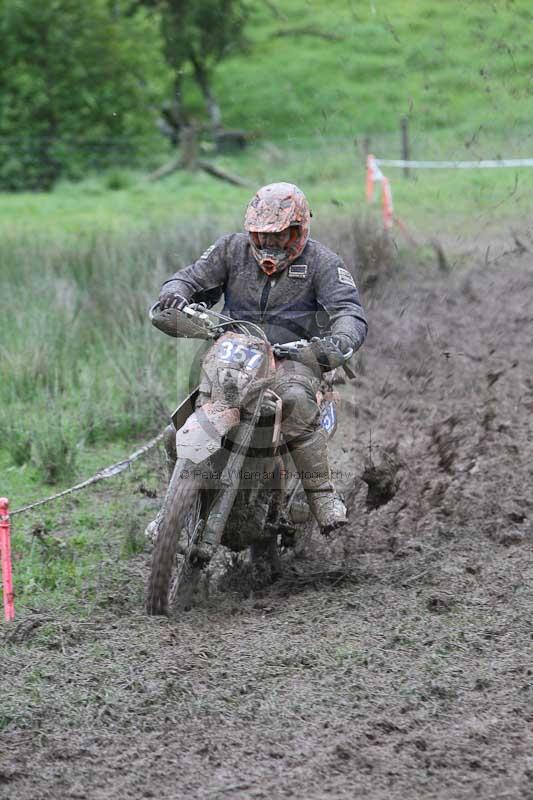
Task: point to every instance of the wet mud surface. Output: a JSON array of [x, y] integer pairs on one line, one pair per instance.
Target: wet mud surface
[[395, 661]]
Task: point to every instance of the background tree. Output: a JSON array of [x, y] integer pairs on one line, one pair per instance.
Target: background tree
[[78, 85], [197, 35]]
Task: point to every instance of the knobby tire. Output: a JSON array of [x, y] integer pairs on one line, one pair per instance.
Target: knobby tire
[[180, 500]]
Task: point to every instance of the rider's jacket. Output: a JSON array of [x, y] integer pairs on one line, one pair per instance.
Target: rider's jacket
[[314, 295]]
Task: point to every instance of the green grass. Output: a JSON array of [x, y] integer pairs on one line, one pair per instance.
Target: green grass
[[81, 209], [451, 64], [460, 70], [331, 174], [72, 551], [79, 362]]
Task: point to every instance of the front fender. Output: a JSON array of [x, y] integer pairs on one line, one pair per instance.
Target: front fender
[[201, 436]]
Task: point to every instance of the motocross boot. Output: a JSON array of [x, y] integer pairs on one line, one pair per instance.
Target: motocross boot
[[169, 441], [310, 457]]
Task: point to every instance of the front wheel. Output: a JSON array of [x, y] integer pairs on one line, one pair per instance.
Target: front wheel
[[172, 581]]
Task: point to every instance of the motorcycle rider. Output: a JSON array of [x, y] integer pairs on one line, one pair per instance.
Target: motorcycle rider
[[276, 276]]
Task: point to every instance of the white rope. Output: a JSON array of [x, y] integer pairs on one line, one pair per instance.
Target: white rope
[[484, 164], [107, 472]]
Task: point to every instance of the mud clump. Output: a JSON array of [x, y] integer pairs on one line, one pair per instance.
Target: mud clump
[[375, 255], [382, 480], [369, 249]]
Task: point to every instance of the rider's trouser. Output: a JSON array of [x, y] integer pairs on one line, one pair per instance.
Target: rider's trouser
[[306, 440]]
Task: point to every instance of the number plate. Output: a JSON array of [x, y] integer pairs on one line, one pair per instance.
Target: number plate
[[328, 416], [238, 354]]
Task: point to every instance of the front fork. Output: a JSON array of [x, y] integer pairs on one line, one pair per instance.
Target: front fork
[[229, 479]]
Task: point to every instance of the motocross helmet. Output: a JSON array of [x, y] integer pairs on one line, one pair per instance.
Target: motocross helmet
[[275, 208]]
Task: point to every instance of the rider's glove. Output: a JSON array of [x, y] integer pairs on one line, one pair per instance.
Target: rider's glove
[[169, 299], [330, 351]]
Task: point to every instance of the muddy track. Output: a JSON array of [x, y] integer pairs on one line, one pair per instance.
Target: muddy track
[[394, 662]]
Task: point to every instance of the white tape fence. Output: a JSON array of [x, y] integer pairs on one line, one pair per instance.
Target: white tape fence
[[375, 175], [483, 164], [103, 474]]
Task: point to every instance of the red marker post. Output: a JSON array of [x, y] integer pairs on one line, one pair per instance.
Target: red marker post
[[5, 552]]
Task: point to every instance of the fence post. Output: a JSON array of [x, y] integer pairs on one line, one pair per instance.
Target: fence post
[[5, 551], [405, 144]]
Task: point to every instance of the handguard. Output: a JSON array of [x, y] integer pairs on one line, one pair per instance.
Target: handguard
[[189, 323]]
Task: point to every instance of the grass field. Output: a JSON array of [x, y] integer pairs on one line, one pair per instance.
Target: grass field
[[447, 65], [330, 172], [66, 552], [318, 78]]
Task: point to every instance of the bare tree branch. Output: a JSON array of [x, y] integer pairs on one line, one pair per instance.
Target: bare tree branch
[[177, 163], [166, 169], [216, 172]]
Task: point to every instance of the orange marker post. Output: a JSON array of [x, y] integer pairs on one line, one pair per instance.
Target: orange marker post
[[369, 178], [5, 551], [388, 210]]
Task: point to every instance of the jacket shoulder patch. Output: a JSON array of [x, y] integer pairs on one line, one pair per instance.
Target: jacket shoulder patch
[[298, 271], [345, 276], [205, 255]]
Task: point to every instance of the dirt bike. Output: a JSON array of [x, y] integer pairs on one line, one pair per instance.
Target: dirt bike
[[229, 486]]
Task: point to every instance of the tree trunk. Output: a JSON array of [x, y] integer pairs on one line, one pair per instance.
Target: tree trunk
[[176, 107], [201, 77], [189, 147], [173, 119]]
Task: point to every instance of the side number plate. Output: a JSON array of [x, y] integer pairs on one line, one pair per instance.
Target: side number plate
[[328, 416]]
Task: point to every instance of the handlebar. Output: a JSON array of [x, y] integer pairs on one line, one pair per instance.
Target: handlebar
[[215, 323], [293, 348], [289, 349]]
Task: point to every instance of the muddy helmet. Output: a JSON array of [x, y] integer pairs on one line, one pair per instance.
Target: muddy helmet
[[275, 208]]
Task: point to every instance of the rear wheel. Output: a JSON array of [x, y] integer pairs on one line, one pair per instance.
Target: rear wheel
[[173, 579]]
